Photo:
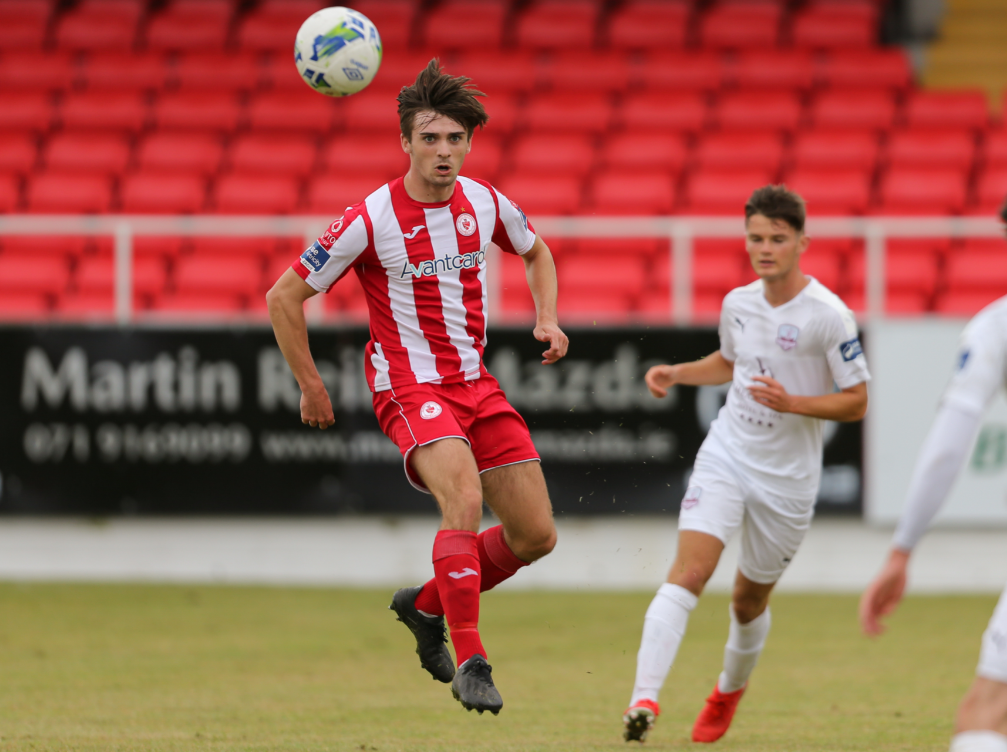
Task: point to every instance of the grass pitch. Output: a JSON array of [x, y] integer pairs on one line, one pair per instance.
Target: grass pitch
[[123, 667]]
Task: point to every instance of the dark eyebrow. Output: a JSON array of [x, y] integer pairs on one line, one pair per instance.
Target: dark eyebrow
[[453, 133]]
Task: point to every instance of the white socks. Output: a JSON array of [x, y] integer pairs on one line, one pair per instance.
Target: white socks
[[979, 741], [663, 629], [741, 653]]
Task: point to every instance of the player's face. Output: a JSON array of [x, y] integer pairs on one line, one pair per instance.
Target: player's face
[[773, 246], [437, 148]]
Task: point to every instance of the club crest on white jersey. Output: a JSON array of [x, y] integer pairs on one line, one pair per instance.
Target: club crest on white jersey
[[466, 224], [692, 497], [430, 410], [786, 337]]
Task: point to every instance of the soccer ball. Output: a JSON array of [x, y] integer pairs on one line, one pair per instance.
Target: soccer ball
[[337, 51]]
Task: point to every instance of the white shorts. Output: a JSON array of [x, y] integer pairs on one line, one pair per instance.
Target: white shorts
[[721, 498], [993, 654]]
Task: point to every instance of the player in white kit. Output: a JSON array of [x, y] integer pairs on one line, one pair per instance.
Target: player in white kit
[[785, 340], [981, 724]]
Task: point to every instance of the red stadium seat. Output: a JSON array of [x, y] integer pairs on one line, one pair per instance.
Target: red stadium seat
[[627, 275], [741, 24], [124, 70], [991, 191], [198, 303], [773, 70], [584, 306], [399, 67], [260, 249], [225, 71], [553, 24], [645, 150], [370, 111], [189, 153], [853, 109], [725, 151], [96, 274], [256, 194], [994, 148], [86, 152], [632, 192], [28, 111], [978, 268], [206, 111], [380, 157], [265, 154], [722, 192], [282, 111], [588, 71], [639, 247], [835, 149], [717, 265], [897, 302], [543, 194], [821, 28], [190, 26], [544, 154], [953, 109], [99, 25], [467, 24], [878, 68], [649, 24], [17, 305], [24, 274], [918, 191], [495, 73], [105, 110], [53, 71], [483, 162], [514, 294], [906, 268], [17, 153], [10, 193], [61, 193], [931, 148], [157, 193], [562, 112], [395, 19], [207, 274], [832, 191], [274, 26], [825, 267], [693, 71], [504, 112], [663, 111], [22, 34], [63, 247], [966, 303], [155, 247], [750, 111], [330, 194]]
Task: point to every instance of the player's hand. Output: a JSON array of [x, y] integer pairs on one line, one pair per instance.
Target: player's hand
[[316, 408], [558, 342], [660, 379], [884, 593], [771, 393]]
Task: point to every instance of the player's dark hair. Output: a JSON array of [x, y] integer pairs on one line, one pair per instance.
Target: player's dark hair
[[777, 202], [447, 95]]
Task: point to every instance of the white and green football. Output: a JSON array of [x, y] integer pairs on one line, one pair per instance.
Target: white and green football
[[337, 51]]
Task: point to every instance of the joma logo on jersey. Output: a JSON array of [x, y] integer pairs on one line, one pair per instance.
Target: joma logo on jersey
[[435, 266]]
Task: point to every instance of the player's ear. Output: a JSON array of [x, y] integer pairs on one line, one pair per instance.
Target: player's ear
[[802, 243], [406, 146]]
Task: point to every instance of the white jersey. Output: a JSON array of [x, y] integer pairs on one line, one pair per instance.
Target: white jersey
[[807, 344], [982, 360]]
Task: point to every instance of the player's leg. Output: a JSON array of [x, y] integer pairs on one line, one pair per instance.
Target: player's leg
[[981, 725]]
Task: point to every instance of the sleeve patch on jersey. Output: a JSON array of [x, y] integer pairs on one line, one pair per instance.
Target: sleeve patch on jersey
[[851, 349], [963, 358], [524, 217], [315, 257]]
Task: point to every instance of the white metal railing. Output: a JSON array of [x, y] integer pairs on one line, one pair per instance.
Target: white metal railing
[[680, 231]]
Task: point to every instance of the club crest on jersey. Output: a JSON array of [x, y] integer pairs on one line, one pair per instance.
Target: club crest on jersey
[[786, 337], [692, 497], [433, 267], [466, 224], [315, 257], [850, 350], [430, 410]]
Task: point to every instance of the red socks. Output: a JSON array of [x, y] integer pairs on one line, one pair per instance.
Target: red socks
[[496, 560], [457, 574]]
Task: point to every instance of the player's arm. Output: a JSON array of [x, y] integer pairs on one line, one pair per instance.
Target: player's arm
[[540, 271], [941, 458], [845, 406], [711, 370], [285, 301]]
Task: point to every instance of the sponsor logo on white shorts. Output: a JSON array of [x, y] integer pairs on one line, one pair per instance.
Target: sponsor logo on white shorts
[[430, 410], [466, 224], [786, 337], [692, 497]]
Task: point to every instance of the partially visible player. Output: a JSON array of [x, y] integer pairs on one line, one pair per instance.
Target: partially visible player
[[418, 246], [784, 340], [981, 724]]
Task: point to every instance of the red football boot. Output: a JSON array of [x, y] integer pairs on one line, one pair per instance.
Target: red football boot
[[639, 719], [715, 717]]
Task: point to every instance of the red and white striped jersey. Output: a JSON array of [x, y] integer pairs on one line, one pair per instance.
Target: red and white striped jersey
[[423, 270]]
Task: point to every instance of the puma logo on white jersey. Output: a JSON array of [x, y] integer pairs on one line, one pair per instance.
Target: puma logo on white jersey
[[412, 234], [464, 573]]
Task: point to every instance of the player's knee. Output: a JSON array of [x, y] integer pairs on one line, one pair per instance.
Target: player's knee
[[747, 606], [533, 545], [692, 577]]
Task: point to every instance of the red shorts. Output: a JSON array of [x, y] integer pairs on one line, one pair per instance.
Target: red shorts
[[475, 411]]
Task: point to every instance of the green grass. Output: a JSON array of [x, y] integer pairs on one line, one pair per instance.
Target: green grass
[[124, 667]]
